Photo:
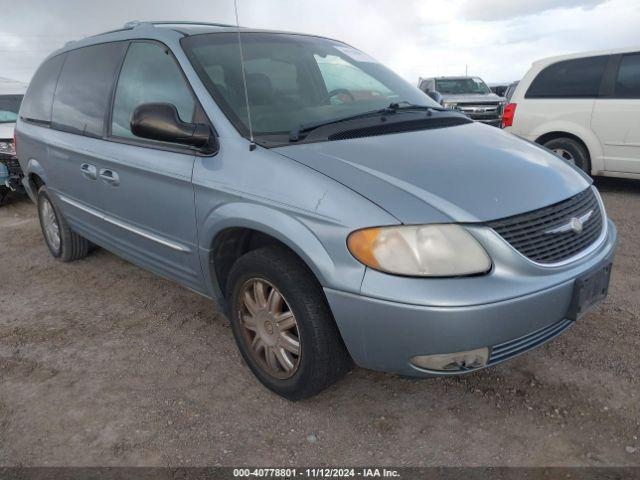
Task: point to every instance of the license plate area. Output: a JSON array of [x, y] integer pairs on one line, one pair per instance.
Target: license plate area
[[589, 290]]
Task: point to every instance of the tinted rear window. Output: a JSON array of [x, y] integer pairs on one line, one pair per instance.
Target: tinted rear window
[[39, 98], [628, 80], [84, 88], [578, 78]]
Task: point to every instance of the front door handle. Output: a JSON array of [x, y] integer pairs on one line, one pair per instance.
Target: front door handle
[[89, 171], [109, 177]]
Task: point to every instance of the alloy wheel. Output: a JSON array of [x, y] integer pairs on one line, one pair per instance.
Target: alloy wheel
[[269, 328], [566, 155], [50, 224]]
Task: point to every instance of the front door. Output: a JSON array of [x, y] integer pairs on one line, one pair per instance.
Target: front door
[[150, 204]]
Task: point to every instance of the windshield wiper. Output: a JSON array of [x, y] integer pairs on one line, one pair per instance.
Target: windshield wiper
[[294, 134], [395, 106]]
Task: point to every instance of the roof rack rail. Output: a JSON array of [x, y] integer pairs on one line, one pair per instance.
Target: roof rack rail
[[137, 23], [126, 27]]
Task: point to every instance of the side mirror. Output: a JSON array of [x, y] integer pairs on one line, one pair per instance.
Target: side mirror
[[435, 96], [160, 121]]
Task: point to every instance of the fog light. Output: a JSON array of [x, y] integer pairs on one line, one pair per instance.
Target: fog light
[[450, 362]]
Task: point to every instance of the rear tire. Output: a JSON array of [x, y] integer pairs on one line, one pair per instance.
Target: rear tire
[[318, 357], [571, 151], [63, 243]]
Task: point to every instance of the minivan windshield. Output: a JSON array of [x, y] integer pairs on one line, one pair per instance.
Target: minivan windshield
[[293, 80], [456, 86], [9, 107]]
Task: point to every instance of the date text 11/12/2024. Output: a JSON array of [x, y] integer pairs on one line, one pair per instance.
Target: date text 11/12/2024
[[316, 473]]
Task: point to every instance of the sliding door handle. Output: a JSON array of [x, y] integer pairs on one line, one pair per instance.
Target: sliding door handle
[[109, 177], [89, 171]]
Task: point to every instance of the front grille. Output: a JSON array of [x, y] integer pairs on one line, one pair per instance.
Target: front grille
[[529, 233], [520, 345], [481, 111], [479, 104], [478, 108]]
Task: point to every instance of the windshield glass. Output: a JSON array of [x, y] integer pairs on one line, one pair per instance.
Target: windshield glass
[[293, 80], [9, 107], [453, 86]]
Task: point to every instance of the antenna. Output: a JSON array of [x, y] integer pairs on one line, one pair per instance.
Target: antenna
[[252, 146]]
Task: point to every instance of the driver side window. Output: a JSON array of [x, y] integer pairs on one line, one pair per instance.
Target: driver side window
[[149, 75]]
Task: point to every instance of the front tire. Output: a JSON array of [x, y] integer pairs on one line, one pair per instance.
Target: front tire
[[63, 243], [571, 151], [283, 325]]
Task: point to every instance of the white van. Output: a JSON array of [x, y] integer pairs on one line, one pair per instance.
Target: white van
[[585, 107]]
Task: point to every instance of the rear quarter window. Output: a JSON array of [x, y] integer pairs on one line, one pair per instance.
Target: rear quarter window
[[628, 78], [36, 106], [577, 78], [84, 88]]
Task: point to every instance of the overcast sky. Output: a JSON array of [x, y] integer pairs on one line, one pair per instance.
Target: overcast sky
[[497, 39]]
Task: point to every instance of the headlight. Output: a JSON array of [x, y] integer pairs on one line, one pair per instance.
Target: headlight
[[451, 105], [425, 251], [7, 148]]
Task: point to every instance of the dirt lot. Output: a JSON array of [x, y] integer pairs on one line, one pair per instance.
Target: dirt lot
[[102, 363]]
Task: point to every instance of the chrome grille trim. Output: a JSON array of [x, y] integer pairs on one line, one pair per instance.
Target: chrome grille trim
[[586, 250]]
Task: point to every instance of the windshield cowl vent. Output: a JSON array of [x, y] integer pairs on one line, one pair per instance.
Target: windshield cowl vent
[[399, 127]]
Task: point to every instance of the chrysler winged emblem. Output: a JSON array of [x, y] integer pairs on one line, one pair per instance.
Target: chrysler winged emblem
[[574, 225]]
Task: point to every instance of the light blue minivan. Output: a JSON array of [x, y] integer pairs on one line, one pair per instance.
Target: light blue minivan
[[333, 210]]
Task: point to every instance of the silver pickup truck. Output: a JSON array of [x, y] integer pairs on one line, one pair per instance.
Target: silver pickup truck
[[469, 95]]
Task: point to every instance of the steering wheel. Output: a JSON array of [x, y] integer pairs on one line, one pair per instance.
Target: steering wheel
[[341, 91]]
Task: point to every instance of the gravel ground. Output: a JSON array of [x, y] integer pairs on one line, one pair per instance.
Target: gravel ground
[[102, 363]]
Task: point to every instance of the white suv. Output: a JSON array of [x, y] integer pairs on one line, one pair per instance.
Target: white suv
[[585, 107]]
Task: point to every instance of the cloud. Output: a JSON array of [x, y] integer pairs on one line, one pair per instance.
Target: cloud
[[497, 39], [491, 10]]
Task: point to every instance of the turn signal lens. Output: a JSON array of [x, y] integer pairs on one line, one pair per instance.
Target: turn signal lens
[[362, 244], [421, 251]]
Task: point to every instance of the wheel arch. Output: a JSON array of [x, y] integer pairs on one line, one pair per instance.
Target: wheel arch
[[583, 136], [36, 177], [234, 229]]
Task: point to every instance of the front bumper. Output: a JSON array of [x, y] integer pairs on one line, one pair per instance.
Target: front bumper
[[381, 334]]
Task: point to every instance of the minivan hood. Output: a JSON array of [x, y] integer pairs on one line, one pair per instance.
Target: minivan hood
[[471, 97], [466, 173]]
